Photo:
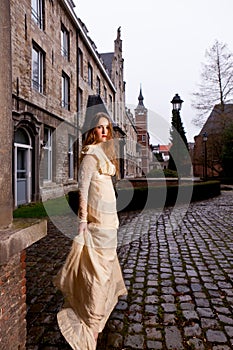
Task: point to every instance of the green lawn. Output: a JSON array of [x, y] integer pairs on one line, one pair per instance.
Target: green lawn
[[52, 207]]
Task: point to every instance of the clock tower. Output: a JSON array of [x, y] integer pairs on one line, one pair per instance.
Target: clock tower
[[141, 122]]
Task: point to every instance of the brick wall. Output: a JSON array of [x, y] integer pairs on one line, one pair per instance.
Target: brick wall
[[13, 303]]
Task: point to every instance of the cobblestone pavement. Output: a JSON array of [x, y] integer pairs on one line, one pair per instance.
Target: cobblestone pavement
[[179, 279]]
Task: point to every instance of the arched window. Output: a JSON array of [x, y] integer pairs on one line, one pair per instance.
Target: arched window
[[21, 136]]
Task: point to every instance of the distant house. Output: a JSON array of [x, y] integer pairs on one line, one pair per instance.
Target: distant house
[[161, 152], [208, 144]]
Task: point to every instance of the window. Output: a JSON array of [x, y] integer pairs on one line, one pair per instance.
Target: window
[[65, 99], [105, 95], [90, 75], [110, 103], [38, 59], [65, 42], [71, 157], [98, 86], [38, 12], [80, 62], [143, 138], [80, 100], [47, 154]]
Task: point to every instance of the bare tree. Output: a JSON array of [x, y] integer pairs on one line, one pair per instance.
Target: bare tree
[[216, 85]]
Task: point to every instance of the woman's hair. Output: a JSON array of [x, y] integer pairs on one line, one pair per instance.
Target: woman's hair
[[108, 146], [90, 137]]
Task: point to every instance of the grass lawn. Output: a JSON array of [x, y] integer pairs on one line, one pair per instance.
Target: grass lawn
[[51, 207]]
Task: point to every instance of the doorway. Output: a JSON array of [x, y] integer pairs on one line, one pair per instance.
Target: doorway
[[23, 167]]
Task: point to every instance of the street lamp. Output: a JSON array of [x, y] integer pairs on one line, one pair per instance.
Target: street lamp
[[177, 102], [204, 139]]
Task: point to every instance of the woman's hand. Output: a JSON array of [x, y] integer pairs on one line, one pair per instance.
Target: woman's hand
[[82, 228]]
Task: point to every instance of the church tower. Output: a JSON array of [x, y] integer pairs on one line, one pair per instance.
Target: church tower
[[141, 122]]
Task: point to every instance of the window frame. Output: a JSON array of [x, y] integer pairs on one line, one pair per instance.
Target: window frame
[[65, 91], [105, 95], [110, 103], [37, 11], [90, 75], [65, 42], [71, 141], [98, 85], [80, 62], [49, 149], [38, 65]]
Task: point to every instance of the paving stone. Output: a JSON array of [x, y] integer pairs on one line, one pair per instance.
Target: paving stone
[[134, 341], [225, 319], [209, 323], [202, 302], [154, 345], [173, 338], [187, 306], [168, 307], [153, 333], [214, 336], [190, 315], [192, 331], [229, 331], [135, 328], [169, 319], [205, 312], [196, 344], [185, 298], [166, 267], [151, 299]]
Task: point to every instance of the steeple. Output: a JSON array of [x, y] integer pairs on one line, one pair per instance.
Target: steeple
[[140, 98]]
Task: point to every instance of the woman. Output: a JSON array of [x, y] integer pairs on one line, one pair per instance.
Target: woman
[[91, 278]]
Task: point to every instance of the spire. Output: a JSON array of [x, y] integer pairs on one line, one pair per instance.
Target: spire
[[140, 98]]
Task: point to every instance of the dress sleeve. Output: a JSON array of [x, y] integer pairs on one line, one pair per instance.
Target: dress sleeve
[[87, 167]]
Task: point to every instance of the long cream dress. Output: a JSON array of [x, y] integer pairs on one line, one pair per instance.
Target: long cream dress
[[91, 278]]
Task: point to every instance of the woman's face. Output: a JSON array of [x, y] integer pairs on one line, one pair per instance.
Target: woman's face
[[102, 130]]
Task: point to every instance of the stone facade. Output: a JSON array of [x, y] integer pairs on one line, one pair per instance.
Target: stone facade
[[13, 244], [55, 68], [13, 303], [133, 166], [6, 125]]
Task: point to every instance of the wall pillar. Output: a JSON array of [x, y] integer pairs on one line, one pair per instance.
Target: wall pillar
[[5, 116], [17, 235]]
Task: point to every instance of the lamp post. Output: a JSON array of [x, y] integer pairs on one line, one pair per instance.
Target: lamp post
[[176, 103], [175, 158], [204, 139]]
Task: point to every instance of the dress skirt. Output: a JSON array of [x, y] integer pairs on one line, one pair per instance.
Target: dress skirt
[[91, 278]]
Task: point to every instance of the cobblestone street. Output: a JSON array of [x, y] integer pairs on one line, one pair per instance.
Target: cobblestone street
[[179, 278]]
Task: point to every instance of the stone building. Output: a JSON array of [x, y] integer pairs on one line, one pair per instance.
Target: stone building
[[55, 69], [133, 166], [15, 235], [207, 150]]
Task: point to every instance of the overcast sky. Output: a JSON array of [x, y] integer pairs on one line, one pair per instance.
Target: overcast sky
[[164, 43]]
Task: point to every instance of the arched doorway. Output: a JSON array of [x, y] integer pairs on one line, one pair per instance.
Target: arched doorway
[[23, 167]]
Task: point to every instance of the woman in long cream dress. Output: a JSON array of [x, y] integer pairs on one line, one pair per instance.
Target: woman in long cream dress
[[91, 278]]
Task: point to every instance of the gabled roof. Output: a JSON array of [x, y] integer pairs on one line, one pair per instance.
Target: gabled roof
[[87, 40], [218, 119], [107, 59], [164, 148]]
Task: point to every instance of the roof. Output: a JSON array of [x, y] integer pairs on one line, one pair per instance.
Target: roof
[[107, 59], [90, 43], [218, 119], [164, 148]]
